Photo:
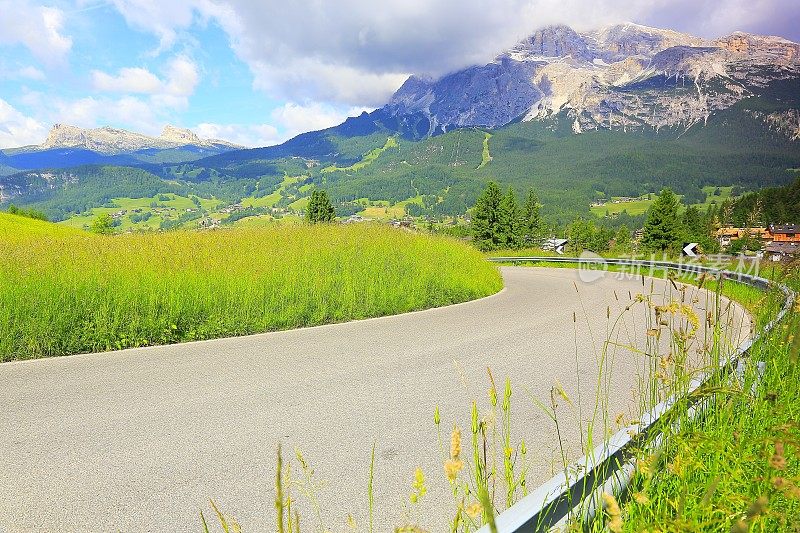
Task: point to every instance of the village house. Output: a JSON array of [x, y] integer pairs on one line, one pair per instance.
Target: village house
[[785, 241], [726, 235], [777, 250], [780, 240], [785, 232]]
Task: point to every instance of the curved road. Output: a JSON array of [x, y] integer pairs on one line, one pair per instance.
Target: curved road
[[138, 440]]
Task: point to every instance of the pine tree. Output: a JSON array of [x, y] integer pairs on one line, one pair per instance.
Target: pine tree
[[663, 229], [531, 220], [509, 221], [319, 208], [622, 240], [485, 217], [579, 234], [693, 224]]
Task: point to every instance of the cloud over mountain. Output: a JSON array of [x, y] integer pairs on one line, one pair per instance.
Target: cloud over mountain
[[356, 53]]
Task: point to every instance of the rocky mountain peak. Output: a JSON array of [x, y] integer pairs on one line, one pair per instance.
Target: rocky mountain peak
[[619, 41], [768, 49], [63, 135], [551, 41], [618, 77], [179, 135]]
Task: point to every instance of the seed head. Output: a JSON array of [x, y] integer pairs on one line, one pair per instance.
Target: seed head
[[452, 467], [778, 460], [455, 443], [614, 513], [474, 510]]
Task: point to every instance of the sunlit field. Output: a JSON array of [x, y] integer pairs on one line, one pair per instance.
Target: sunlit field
[[64, 291]]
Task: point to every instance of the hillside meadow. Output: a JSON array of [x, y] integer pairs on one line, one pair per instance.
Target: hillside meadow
[[65, 291]]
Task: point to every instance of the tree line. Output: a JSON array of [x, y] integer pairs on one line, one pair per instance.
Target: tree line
[[500, 222]]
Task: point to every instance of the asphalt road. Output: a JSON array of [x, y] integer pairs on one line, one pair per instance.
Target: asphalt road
[[138, 440]]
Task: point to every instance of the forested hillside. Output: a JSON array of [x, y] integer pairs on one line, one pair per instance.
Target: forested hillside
[[364, 161]]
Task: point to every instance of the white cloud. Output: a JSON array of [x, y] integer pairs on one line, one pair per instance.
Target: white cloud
[[129, 80], [31, 73], [38, 28], [166, 19], [172, 92], [16, 129], [309, 79], [245, 135], [181, 79], [295, 118]]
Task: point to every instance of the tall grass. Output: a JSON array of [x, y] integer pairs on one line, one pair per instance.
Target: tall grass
[[64, 291], [736, 467]]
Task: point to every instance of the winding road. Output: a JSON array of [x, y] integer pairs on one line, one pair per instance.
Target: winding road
[[138, 440]]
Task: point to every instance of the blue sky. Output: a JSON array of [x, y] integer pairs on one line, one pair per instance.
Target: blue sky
[[257, 72]]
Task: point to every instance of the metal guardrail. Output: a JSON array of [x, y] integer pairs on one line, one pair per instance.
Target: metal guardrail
[[609, 465]]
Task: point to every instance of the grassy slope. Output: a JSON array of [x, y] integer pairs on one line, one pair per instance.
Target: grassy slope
[[639, 206], [65, 291], [737, 468], [369, 158], [486, 155]]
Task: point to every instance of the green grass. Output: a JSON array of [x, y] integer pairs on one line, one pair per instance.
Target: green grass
[[634, 207], [737, 467], [384, 210], [369, 158], [65, 291], [486, 156], [271, 199], [724, 194], [641, 204]]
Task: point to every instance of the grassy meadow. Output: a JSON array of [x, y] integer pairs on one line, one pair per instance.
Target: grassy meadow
[[640, 205], [65, 291], [160, 207]]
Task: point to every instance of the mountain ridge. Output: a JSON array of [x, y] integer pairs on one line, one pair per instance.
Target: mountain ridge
[[113, 141], [597, 75]]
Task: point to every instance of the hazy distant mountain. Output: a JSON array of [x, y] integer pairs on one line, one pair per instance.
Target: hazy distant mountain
[[68, 146], [112, 141]]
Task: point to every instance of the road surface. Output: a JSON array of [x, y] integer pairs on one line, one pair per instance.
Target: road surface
[[139, 439]]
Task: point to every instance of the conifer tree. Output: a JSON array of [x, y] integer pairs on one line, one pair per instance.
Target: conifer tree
[[319, 208], [622, 240], [663, 230], [531, 220], [509, 221], [485, 217], [693, 224]]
